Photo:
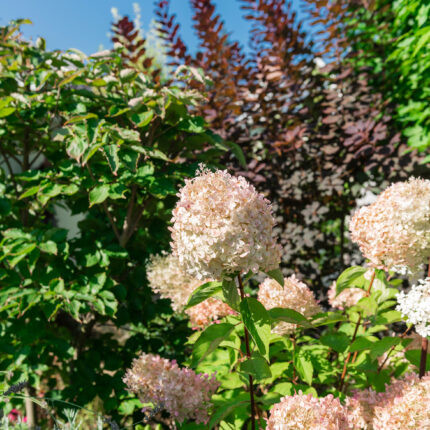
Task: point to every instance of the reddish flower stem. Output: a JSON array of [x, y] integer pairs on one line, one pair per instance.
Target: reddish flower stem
[[248, 353], [424, 344]]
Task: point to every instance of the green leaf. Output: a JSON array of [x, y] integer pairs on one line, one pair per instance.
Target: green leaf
[[258, 322], [277, 275], [349, 278], [304, 369], [80, 118], [223, 411], [257, 367], [99, 194], [6, 111], [209, 341], [209, 289], [337, 341], [389, 317], [70, 77], [49, 247], [414, 357], [192, 125], [31, 191], [144, 118], [230, 293], [361, 343], [328, 318], [111, 152], [379, 347], [290, 316], [367, 306]]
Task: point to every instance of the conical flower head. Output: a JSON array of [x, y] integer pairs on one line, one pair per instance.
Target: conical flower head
[[180, 391], [394, 231], [221, 226]]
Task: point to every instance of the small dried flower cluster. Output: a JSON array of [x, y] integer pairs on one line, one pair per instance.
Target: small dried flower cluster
[[167, 278], [404, 405], [209, 311], [307, 412], [346, 298], [294, 295], [222, 225], [394, 231], [183, 393], [415, 306]]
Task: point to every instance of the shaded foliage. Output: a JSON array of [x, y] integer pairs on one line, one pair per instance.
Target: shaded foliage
[[100, 138]]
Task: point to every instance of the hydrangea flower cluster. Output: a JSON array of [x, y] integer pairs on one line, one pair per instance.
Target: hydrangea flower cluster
[[394, 231], [346, 298], [415, 306], [293, 295], [181, 392], [167, 278], [209, 311], [307, 412], [404, 405], [221, 226]]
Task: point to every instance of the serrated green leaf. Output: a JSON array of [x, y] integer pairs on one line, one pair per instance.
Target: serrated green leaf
[[209, 340], [277, 275], [258, 322], [111, 152], [257, 367], [206, 290], [349, 278], [99, 194], [290, 316], [230, 293]]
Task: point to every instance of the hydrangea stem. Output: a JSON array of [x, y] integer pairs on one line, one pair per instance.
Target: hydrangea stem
[[424, 344], [248, 353], [357, 326], [423, 361]]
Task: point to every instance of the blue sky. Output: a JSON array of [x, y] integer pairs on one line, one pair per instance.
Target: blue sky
[[84, 24]]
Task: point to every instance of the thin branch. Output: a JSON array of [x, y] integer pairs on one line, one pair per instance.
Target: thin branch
[[248, 353], [357, 326], [392, 349]]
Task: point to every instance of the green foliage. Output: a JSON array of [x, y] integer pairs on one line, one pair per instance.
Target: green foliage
[[312, 358], [101, 140]]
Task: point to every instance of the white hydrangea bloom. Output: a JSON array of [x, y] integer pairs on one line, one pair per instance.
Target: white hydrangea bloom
[[394, 231], [222, 225], [415, 306], [167, 278]]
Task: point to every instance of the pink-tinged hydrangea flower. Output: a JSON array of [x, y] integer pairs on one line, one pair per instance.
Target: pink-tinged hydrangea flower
[[394, 231], [308, 413], [346, 298], [167, 278], [415, 306], [403, 406], [222, 225], [209, 311], [293, 295], [180, 391]]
